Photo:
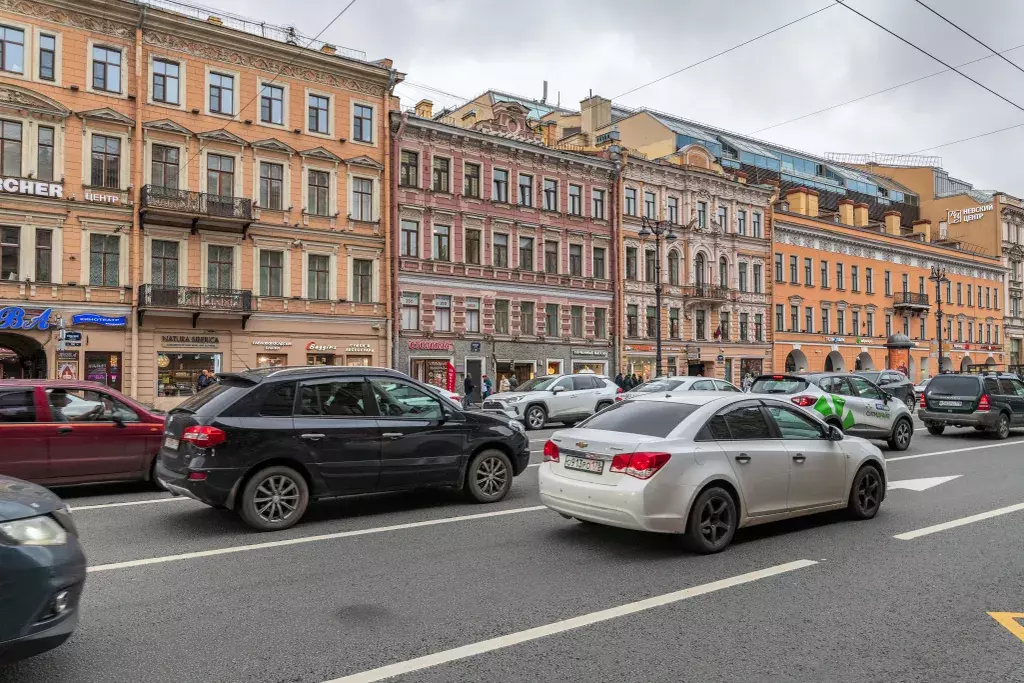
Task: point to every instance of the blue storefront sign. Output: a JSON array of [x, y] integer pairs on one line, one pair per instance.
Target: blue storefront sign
[[15, 318], [94, 319]]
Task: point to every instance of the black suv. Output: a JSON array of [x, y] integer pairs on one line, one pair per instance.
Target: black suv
[[993, 403], [265, 442]]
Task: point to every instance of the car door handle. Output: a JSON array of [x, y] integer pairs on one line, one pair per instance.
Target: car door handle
[[64, 430], [743, 458], [799, 458], [392, 435], [312, 437]]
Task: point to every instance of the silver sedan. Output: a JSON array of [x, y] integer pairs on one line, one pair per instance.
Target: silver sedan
[[705, 464]]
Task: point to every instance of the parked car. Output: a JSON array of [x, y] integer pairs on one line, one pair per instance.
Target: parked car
[[555, 398], [67, 432], [267, 442], [922, 386], [894, 382], [992, 403], [43, 570], [669, 385], [849, 402], [703, 465]]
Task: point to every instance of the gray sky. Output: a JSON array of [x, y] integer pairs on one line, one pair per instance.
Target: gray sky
[[466, 46]]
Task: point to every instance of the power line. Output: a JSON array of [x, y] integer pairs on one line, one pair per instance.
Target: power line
[[973, 137], [954, 25], [429, 88]]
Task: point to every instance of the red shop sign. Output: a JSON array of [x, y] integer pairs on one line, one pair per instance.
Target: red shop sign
[[420, 345]]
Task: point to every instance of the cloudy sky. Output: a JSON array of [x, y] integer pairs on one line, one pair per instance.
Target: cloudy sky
[[463, 47]]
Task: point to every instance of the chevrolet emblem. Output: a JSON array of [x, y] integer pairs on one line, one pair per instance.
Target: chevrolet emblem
[[582, 444]]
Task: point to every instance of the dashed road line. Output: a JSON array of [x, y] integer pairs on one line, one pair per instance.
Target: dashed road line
[[934, 529], [151, 501]]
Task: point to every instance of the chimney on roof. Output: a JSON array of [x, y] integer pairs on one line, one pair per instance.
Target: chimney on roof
[[846, 211], [549, 133], [860, 215], [812, 203], [544, 97], [796, 197], [892, 223], [923, 227], [595, 113], [425, 109]]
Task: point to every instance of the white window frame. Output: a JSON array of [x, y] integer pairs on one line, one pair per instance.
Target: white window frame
[[30, 51], [285, 108], [125, 170], [332, 188], [147, 160], [102, 228], [419, 311], [604, 203], [558, 193], [373, 127], [28, 260], [266, 156], [508, 248], [576, 242], [237, 154], [123, 86], [353, 253], [559, 270], [508, 185], [419, 169], [236, 92], [58, 54], [331, 127], [208, 239], [182, 85], [165, 235], [261, 244], [451, 173], [533, 189], [30, 145], [331, 252]]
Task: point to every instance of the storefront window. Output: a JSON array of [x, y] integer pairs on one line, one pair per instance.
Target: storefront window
[[596, 367], [178, 373], [554, 367], [103, 367], [320, 359], [272, 360], [358, 361], [430, 370]]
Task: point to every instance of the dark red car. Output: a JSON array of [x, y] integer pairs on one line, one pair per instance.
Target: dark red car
[[55, 432]]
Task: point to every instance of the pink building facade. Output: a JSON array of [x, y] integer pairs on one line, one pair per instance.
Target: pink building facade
[[504, 252]]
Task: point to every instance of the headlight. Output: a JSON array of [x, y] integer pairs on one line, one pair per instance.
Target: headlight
[[514, 399], [516, 425], [33, 531]]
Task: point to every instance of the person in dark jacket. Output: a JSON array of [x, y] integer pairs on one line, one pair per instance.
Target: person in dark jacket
[[467, 391], [206, 379], [619, 381]]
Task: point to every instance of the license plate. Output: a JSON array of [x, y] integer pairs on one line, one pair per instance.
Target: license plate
[[951, 404], [584, 464], [171, 442]]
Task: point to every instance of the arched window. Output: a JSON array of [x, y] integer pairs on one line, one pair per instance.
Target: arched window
[[700, 270], [673, 267], [723, 272]]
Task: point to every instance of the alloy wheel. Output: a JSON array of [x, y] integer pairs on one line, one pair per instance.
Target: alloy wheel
[[715, 519], [902, 434], [869, 491], [536, 418], [910, 401], [491, 476], [276, 498], [1004, 427]]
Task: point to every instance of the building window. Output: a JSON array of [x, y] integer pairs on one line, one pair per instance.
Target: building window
[[12, 49], [550, 195], [526, 253], [758, 327], [164, 171], [441, 174], [220, 174], [632, 322], [840, 279], [362, 281], [871, 324], [106, 69], [473, 247], [271, 184], [959, 331], [164, 263], [651, 321], [220, 267], [824, 274], [840, 322], [673, 323], [576, 321], [410, 311], [825, 329], [650, 205], [471, 181], [922, 333], [794, 318], [650, 265], [166, 82], [106, 161], [920, 288], [501, 316], [319, 193], [906, 283], [600, 323], [970, 295], [631, 263], [673, 267], [409, 244], [741, 222], [778, 267], [744, 322], [318, 277], [44, 255], [271, 273], [742, 272], [472, 315], [362, 123], [673, 210], [630, 208], [576, 260], [888, 283], [526, 318], [856, 323], [779, 317], [44, 153], [949, 291], [47, 57], [793, 275], [723, 218], [501, 250], [757, 225], [362, 199], [599, 264], [10, 253], [854, 278], [906, 325], [723, 272], [888, 325], [808, 271], [702, 215], [319, 108], [408, 172], [551, 320], [222, 93], [869, 280], [809, 319], [525, 189], [272, 104], [988, 297], [442, 243], [104, 259], [597, 204], [500, 191], [757, 278], [575, 200], [700, 324]]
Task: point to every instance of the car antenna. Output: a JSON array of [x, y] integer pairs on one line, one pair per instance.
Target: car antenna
[[241, 359]]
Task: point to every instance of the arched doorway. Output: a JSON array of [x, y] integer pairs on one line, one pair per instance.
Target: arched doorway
[[21, 357], [834, 362], [965, 364], [700, 269], [864, 361], [990, 361], [796, 361]]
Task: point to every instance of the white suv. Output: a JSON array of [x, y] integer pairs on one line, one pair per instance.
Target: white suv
[[555, 398]]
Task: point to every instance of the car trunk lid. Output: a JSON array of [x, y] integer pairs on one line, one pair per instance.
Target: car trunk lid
[[953, 394], [586, 454]]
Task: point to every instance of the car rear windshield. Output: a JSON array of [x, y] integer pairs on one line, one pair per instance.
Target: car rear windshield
[[215, 397], [954, 385], [649, 418], [780, 385], [658, 385]]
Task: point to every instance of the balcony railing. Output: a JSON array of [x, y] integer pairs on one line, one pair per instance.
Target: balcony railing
[[195, 299], [706, 292], [196, 203], [910, 300]]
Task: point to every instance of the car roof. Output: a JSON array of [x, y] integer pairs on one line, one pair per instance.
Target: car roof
[[695, 398], [259, 374]]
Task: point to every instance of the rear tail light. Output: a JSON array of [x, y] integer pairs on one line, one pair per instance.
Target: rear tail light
[[804, 401], [984, 403], [197, 476], [620, 398], [618, 390], [924, 404], [641, 465], [204, 436], [550, 452]]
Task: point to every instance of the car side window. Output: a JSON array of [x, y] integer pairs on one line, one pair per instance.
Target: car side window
[[279, 400], [715, 430], [84, 405], [336, 398], [18, 406], [826, 385], [703, 385], [991, 386], [1018, 387], [1006, 387], [842, 386], [579, 383], [747, 424], [396, 398], [866, 389], [565, 383], [725, 386], [795, 425]]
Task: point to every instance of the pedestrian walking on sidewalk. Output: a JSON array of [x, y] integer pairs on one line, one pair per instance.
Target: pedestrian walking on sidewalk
[[467, 391]]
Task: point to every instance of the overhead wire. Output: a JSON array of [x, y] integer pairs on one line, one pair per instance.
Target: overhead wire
[[972, 37]]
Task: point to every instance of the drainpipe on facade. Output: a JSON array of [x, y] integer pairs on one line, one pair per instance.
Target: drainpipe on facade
[[618, 316], [386, 223], [135, 231], [393, 254]]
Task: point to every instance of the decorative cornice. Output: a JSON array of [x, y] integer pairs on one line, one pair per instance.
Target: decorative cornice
[[477, 285], [273, 145], [88, 22], [365, 161], [321, 153], [168, 126], [222, 135], [107, 115], [13, 97]]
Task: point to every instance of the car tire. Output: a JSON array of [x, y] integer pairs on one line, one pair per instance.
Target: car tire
[[536, 417], [274, 498], [911, 401], [713, 521], [936, 430], [865, 493], [489, 476], [1002, 428], [902, 433], [601, 406]]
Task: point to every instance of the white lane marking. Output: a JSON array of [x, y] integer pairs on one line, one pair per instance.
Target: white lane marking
[[306, 539], [956, 450], [920, 484], [906, 536], [169, 499], [483, 646]]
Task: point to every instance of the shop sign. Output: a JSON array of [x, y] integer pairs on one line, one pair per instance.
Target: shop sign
[[179, 340], [313, 346], [692, 353], [17, 318], [34, 188], [421, 345], [94, 319], [102, 198], [837, 340], [472, 304], [720, 358], [70, 337], [67, 355], [410, 299], [590, 353], [474, 347], [358, 348], [642, 348], [974, 213], [270, 343]]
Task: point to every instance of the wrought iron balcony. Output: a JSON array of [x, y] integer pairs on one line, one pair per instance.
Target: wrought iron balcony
[[706, 292], [197, 300], [195, 209], [911, 300]]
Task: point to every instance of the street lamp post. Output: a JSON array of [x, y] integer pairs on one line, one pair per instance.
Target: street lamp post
[[938, 276], [658, 229]]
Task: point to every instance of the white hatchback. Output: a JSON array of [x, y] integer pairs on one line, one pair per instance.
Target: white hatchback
[[705, 464]]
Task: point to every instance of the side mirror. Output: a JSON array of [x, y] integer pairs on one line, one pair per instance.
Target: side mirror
[[557, 390], [835, 433], [117, 420], [886, 396]]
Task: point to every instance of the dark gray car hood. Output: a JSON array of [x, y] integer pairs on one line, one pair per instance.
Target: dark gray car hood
[[20, 499]]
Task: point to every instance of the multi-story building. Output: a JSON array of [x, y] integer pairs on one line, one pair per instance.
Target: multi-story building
[[505, 249], [1012, 213], [209, 191]]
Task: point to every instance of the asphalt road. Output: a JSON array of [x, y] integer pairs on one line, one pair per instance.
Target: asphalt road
[[451, 591]]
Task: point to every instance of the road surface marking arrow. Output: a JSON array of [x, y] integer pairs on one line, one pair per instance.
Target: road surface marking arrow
[[1009, 620], [920, 484]]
